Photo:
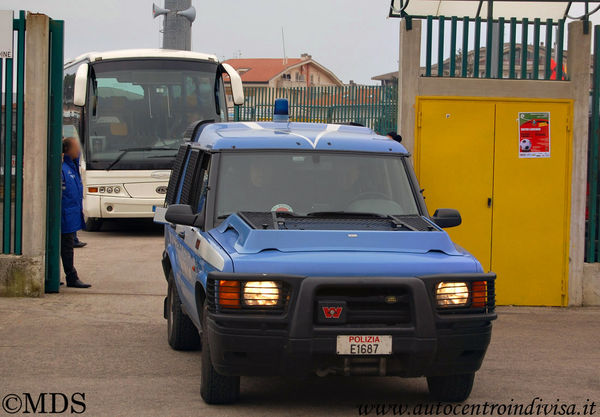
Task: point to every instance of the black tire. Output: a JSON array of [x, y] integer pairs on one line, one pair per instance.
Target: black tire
[[93, 224], [214, 387], [181, 332], [451, 388]]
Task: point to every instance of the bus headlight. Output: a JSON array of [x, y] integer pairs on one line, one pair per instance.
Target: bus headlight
[[452, 294], [261, 293]]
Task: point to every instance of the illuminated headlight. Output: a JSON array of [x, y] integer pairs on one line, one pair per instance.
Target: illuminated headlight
[[261, 293], [452, 294]]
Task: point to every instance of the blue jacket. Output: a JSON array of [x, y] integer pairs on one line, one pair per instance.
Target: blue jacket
[[72, 197]]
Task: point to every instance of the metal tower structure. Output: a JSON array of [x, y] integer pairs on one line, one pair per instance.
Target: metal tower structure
[[177, 27]]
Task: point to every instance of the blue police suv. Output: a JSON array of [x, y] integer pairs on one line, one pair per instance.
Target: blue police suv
[[299, 249]]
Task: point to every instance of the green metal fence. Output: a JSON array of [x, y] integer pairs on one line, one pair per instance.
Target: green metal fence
[[593, 204], [12, 74], [372, 106], [53, 194], [12, 113], [511, 49]]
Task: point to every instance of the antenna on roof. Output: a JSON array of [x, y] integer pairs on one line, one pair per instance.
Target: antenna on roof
[[283, 43]]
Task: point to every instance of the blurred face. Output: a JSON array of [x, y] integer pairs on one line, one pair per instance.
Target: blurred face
[[259, 174], [350, 177], [74, 149]]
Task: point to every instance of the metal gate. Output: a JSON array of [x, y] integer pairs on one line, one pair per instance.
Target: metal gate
[[373, 106], [11, 139], [53, 197], [515, 209], [12, 119], [593, 208]]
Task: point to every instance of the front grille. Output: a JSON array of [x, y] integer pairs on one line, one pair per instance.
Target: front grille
[[368, 307], [230, 299]]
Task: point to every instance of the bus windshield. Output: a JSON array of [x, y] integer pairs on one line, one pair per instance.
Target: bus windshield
[[138, 110]]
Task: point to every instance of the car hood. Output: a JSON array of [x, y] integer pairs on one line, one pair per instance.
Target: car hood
[[334, 252]]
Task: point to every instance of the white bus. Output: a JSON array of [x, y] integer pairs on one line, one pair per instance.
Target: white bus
[[130, 109]]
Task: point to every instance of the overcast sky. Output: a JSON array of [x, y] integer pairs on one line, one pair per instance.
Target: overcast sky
[[353, 38]]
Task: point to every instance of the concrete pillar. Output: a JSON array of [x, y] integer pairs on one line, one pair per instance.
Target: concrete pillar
[[578, 68], [408, 80], [35, 141]]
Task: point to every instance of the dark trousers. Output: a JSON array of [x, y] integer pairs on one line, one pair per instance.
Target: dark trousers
[[66, 254]]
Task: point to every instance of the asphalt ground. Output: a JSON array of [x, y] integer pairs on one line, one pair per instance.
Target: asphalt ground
[[109, 342]]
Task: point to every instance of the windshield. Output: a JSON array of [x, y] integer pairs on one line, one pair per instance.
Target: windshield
[[138, 110], [306, 183]]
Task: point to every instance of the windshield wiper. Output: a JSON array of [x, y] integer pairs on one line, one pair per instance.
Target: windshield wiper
[[142, 149]]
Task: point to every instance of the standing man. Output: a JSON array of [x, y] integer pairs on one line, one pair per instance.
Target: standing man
[[72, 209]]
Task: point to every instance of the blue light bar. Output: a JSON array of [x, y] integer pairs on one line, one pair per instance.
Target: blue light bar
[[281, 112]]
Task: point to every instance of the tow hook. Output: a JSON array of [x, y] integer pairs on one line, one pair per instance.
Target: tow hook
[[365, 366]]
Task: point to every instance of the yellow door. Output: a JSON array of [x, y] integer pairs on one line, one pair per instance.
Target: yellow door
[[530, 234], [454, 159]]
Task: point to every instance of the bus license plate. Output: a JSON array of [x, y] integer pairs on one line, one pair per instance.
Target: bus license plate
[[364, 345]]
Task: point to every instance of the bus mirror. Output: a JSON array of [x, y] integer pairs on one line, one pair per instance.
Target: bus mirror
[[80, 87], [237, 90]]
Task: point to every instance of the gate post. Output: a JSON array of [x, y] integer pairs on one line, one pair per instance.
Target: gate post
[[53, 215], [35, 142], [578, 68], [408, 77]]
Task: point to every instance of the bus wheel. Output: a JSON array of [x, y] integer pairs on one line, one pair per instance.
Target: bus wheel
[[93, 224]]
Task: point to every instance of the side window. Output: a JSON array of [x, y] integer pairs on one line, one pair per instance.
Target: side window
[[195, 182], [201, 185], [189, 177], [176, 173], [220, 98]]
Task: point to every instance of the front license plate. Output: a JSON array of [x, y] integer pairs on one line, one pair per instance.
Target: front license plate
[[364, 345]]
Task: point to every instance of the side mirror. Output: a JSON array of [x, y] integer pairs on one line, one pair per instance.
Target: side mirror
[[184, 215], [80, 87], [237, 89], [447, 218]]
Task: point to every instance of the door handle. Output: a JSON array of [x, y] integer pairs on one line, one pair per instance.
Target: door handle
[[489, 201], [181, 235]]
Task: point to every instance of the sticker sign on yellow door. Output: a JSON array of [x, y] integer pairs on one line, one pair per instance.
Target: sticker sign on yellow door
[[534, 135]]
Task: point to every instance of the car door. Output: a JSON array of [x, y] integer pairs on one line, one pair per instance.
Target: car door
[[192, 192]]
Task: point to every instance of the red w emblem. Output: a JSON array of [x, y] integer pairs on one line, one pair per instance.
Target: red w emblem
[[332, 312]]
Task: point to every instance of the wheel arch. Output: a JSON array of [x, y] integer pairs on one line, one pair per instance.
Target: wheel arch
[[200, 294], [166, 264]]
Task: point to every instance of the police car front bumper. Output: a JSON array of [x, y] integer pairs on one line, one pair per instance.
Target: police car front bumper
[[426, 340]]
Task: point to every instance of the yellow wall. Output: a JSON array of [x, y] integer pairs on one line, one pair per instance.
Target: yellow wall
[[515, 210]]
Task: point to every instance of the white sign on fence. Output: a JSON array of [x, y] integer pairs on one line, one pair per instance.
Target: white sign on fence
[[6, 34]]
